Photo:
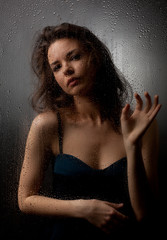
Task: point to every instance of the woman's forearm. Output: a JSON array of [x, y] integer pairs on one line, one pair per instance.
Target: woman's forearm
[[135, 126], [139, 190], [46, 206]]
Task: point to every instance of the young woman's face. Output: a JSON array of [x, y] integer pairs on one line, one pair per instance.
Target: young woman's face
[[71, 67]]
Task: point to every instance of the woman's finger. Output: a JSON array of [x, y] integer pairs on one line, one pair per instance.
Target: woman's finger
[[115, 205], [154, 112], [139, 102], [114, 221], [155, 104], [112, 225], [148, 102], [120, 217], [125, 112]]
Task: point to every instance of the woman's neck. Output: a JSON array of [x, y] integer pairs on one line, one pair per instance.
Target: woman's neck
[[87, 109]]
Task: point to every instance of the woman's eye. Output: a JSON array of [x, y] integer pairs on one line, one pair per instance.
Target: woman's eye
[[76, 57], [56, 68]]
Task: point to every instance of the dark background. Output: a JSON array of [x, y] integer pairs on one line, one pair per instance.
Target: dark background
[[136, 34]]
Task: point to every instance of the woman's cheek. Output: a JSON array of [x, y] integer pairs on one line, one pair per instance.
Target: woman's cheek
[[61, 85], [58, 80]]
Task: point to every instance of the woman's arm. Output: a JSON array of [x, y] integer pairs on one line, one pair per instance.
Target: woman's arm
[[141, 144], [150, 154], [36, 160], [143, 175]]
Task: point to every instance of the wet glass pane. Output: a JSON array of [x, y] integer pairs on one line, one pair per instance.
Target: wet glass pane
[[136, 34]]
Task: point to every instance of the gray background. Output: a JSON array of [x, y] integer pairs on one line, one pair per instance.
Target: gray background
[[136, 34]]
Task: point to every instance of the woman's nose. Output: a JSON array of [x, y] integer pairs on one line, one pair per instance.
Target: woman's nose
[[68, 70]]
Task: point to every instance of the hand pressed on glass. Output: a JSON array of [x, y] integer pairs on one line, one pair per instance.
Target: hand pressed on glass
[[135, 125]]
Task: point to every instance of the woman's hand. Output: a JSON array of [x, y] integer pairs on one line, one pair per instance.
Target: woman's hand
[[105, 215], [135, 125]]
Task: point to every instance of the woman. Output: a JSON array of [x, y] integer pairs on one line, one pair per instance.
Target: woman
[[104, 156]]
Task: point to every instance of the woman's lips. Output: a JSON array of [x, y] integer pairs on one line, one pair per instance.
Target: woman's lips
[[72, 82]]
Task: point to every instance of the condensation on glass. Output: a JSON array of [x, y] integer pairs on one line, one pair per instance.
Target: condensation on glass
[[134, 31]]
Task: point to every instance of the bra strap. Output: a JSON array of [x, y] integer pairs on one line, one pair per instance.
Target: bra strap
[[60, 133]]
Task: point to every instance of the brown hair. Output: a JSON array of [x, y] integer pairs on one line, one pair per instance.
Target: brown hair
[[110, 90]]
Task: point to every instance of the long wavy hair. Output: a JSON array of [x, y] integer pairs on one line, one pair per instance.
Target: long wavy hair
[[111, 90]]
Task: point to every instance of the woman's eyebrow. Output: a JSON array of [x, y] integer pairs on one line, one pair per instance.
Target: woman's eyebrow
[[67, 56]]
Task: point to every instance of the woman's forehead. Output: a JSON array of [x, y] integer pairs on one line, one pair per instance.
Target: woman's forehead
[[62, 46]]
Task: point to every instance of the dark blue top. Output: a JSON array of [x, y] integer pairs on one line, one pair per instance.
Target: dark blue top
[[74, 179]]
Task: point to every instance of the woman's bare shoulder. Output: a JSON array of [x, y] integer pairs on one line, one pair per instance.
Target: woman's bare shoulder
[[46, 120], [44, 129], [45, 125]]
